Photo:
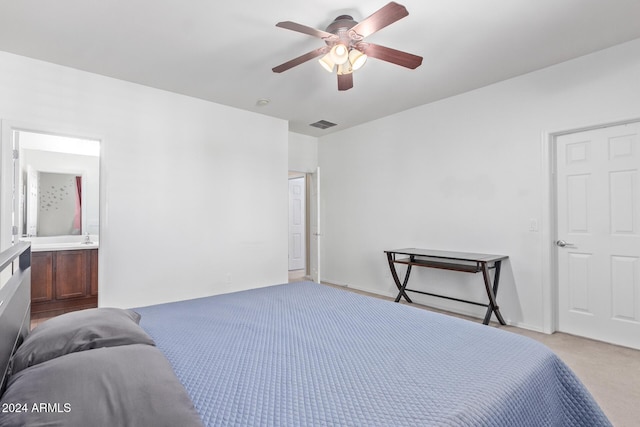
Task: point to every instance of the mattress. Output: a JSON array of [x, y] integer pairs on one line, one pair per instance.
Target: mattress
[[304, 354]]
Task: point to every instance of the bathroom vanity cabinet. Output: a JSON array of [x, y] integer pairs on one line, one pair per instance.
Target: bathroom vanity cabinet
[[64, 280]]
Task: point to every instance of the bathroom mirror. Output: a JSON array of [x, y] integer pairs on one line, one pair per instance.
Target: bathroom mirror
[[59, 185], [57, 206]]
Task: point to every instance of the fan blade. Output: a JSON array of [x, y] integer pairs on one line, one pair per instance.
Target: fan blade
[[345, 81], [391, 55], [301, 59], [384, 16], [288, 25]]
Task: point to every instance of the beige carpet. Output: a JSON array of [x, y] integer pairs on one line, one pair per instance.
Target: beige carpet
[[611, 373]]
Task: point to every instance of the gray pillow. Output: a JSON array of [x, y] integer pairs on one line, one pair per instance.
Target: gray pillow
[[131, 385], [78, 331]]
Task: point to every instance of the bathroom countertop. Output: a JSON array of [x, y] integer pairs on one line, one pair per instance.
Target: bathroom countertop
[[63, 246], [44, 245]]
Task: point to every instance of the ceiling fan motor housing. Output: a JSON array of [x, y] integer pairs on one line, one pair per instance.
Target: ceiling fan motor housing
[[340, 28], [342, 22]]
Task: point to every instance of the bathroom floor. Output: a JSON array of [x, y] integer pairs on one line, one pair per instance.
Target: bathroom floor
[[38, 318]]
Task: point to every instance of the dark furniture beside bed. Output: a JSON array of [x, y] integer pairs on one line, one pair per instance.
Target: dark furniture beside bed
[[449, 260]]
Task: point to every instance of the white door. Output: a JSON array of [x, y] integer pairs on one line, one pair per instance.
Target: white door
[[297, 220], [598, 240], [314, 226]]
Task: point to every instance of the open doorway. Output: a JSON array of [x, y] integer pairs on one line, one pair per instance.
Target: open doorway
[[307, 246], [56, 206]]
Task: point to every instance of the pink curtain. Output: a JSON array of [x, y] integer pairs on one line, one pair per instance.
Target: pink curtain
[[77, 219]]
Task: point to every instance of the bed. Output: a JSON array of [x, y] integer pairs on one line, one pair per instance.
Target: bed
[[305, 354]]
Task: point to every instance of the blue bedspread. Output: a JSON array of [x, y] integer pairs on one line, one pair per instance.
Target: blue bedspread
[[304, 354]]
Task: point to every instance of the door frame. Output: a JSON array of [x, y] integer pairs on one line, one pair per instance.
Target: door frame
[[548, 226], [7, 126]]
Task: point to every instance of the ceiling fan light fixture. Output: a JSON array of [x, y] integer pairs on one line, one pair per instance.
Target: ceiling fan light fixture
[[345, 50], [339, 53], [357, 59], [327, 63], [344, 69]]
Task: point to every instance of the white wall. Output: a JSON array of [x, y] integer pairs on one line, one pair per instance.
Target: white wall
[[303, 153], [467, 173], [193, 194]]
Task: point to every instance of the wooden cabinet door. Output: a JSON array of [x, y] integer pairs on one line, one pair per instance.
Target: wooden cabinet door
[[41, 276], [93, 279], [70, 274]]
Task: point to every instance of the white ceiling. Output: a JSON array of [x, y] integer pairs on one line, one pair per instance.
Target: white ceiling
[[224, 51]]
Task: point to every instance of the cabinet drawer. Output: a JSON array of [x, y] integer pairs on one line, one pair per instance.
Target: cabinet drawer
[[41, 276], [71, 274]]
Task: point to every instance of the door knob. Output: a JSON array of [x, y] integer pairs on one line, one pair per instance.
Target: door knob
[[563, 244]]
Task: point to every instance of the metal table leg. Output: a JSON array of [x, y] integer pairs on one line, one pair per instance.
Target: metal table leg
[[492, 292], [403, 286]]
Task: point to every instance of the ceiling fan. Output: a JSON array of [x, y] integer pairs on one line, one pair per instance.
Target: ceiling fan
[[346, 50]]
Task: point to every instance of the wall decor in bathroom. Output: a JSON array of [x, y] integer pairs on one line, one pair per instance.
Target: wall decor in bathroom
[[59, 204]]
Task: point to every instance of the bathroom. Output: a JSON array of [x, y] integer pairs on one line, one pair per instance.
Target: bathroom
[[58, 211]]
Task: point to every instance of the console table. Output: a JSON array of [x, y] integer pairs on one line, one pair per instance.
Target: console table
[[455, 261]]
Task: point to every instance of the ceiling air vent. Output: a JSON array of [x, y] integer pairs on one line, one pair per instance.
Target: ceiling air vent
[[322, 124]]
